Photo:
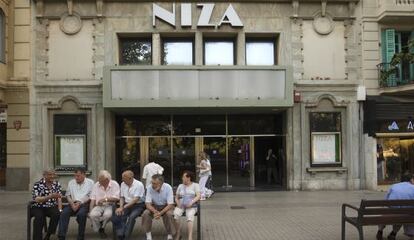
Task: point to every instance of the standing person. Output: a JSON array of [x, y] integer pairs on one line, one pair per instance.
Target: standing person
[[186, 197], [271, 165], [204, 174], [150, 170], [159, 202], [47, 194], [105, 193], [78, 193], [131, 205], [399, 191]]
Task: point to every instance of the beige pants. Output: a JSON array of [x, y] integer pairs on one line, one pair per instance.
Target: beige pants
[[167, 218], [100, 214], [189, 213]]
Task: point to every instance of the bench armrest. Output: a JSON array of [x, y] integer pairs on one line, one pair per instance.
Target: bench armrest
[[345, 206]]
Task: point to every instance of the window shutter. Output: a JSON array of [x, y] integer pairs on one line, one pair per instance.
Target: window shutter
[[388, 51]]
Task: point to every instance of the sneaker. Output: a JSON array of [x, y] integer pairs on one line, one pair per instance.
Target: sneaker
[[379, 235]]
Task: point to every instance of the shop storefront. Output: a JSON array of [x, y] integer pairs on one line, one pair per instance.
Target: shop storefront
[[390, 121]]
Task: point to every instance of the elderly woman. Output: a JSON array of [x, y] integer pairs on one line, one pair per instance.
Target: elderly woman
[[187, 195], [105, 193], [47, 194]]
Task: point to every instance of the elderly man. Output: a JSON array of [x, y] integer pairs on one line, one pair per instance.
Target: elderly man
[[78, 193], [48, 202], [130, 207], [399, 191], [160, 204], [105, 193]]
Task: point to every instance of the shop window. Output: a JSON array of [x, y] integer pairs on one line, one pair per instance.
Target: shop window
[[219, 52], [325, 136], [135, 51], [70, 138], [178, 52], [2, 37], [260, 51]]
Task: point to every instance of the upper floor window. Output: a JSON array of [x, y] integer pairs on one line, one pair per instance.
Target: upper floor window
[[2, 36], [178, 52], [396, 43], [219, 52], [260, 51], [135, 51]]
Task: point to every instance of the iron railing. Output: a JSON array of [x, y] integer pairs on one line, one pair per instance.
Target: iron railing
[[392, 76]]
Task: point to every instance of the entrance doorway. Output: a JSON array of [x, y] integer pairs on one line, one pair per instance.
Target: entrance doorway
[[238, 160]]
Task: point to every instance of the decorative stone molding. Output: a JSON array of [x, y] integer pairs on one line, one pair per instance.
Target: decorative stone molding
[[59, 104], [335, 102], [323, 23], [70, 23]]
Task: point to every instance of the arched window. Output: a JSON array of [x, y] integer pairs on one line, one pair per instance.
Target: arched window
[[2, 36]]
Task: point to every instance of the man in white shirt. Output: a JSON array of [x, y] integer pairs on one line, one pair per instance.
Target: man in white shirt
[[130, 207], [150, 170], [78, 193]]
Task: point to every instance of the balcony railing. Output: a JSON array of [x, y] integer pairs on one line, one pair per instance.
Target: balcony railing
[[390, 76], [395, 8]]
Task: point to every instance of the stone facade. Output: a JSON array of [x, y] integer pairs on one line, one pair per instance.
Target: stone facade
[[15, 76], [321, 43]]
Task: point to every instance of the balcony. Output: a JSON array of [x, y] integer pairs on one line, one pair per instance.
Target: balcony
[[399, 81], [197, 86], [396, 11]]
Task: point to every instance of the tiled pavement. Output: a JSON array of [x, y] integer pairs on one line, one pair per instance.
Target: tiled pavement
[[258, 215]]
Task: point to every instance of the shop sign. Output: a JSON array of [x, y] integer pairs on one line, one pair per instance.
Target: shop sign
[[229, 16], [396, 126]]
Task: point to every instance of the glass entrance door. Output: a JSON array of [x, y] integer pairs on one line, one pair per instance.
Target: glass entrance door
[[215, 147], [160, 152], [239, 162], [183, 157]]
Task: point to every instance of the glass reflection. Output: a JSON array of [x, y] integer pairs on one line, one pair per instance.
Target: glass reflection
[[260, 53], [183, 158], [160, 152], [178, 53], [239, 161], [128, 153], [135, 51], [219, 53]]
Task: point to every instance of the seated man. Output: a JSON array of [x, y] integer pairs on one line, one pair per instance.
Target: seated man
[[160, 204], [130, 207], [105, 193], [48, 202], [78, 193], [399, 191]]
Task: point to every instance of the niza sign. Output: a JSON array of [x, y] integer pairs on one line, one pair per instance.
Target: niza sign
[[229, 17]]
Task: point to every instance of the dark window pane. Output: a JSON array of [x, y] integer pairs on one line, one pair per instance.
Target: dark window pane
[[135, 51], [199, 125], [178, 53], [69, 124], [154, 126], [128, 153], [255, 124], [325, 122], [2, 37], [126, 126]]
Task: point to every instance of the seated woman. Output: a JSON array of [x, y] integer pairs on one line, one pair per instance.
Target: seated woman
[[187, 195]]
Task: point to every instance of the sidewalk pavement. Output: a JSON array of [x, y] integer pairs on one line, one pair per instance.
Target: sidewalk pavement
[[238, 216]]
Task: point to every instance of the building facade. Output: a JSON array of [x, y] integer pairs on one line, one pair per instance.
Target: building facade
[[119, 83], [15, 76], [388, 130]]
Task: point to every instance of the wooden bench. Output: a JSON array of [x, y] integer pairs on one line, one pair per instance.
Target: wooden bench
[[378, 212]]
